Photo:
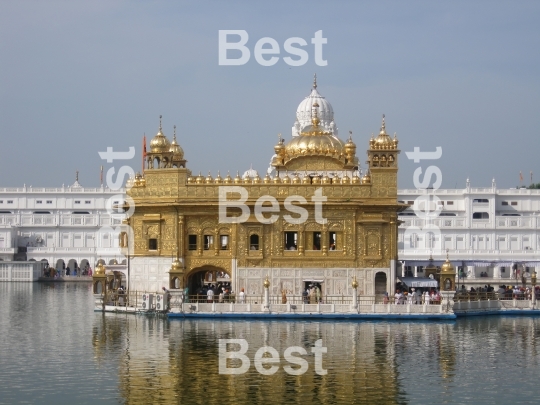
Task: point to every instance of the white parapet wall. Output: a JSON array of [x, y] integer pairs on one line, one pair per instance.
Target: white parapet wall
[[20, 271]]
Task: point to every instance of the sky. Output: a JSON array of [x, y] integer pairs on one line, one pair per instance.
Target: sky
[[78, 77]]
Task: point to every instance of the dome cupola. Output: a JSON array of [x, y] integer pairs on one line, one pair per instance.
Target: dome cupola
[[159, 143]]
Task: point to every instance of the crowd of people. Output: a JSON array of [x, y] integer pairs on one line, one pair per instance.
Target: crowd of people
[[220, 292], [312, 294], [414, 296], [52, 272]]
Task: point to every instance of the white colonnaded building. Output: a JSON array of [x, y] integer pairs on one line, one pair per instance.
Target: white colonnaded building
[[69, 226]]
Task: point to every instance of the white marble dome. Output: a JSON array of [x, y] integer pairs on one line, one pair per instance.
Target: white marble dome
[[304, 112], [251, 173]]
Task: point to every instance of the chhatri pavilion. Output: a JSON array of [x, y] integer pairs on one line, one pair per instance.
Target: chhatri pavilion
[[177, 240]]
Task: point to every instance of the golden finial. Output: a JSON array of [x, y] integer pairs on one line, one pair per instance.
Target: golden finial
[[314, 116], [266, 282], [76, 175], [354, 283], [383, 126], [350, 136], [447, 256], [315, 81], [161, 116], [174, 134]]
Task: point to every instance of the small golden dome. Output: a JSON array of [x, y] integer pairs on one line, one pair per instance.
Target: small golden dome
[[100, 269], [296, 179], [257, 179], [237, 179], [276, 179], [228, 179], [199, 179], [316, 179], [306, 179], [345, 179], [209, 179], [190, 180], [218, 179], [383, 141], [350, 146], [280, 147], [176, 267], [247, 180], [266, 282], [286, 179], [447, 267], [114, 262], [356, 179], [159, 143], [267, 179], [366, 179], [175, 148], [326, 179], [336, 180]]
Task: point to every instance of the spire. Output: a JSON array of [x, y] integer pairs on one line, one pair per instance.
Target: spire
[[315, 81], [161, 116], [383, 127], [350, 136], [174, 132], [76, 175]]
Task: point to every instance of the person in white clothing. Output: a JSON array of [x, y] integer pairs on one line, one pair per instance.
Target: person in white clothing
[[210, 295], [426, 298], [242, 296], [398, 298]]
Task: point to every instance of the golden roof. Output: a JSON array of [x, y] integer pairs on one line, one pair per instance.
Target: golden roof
[[383, 140], [159, 143]]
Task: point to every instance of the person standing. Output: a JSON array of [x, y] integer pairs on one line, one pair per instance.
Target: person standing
[[242, 296], [210, 294]]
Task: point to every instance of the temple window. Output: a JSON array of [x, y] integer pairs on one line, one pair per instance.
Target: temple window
[[316, 241], [192, 242], [208, 242], [224, 242], [254, 242], [332, 241], [152, 244], [291, 240]]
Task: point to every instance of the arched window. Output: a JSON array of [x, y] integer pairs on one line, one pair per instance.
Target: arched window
[[254, 242]]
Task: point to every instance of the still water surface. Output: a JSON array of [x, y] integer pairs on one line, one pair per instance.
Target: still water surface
[[56, 350]]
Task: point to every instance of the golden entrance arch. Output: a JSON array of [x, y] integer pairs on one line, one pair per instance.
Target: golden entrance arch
[[204, 276]]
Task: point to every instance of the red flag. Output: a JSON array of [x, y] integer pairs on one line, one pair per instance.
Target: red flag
[[144, 152]]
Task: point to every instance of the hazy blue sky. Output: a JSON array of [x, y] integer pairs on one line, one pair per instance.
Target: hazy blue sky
[[79, 76]]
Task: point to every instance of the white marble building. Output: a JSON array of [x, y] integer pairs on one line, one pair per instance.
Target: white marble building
[[63, 226], [492, 234]]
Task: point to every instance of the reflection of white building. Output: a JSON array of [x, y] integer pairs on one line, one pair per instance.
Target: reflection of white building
[[64, 225], [486, 230]]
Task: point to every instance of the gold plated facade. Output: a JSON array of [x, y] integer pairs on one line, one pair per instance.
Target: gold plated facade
[[177, 216]]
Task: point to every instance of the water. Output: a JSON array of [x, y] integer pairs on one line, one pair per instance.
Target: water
[[55, 349]]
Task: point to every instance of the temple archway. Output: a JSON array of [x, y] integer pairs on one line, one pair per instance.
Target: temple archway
[[380, 283], [199, 279]]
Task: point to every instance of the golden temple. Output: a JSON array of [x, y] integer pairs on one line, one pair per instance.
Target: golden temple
[[177, 215]]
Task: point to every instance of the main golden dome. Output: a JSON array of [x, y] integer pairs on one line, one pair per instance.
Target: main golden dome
[[159, 143], [314, 140]]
